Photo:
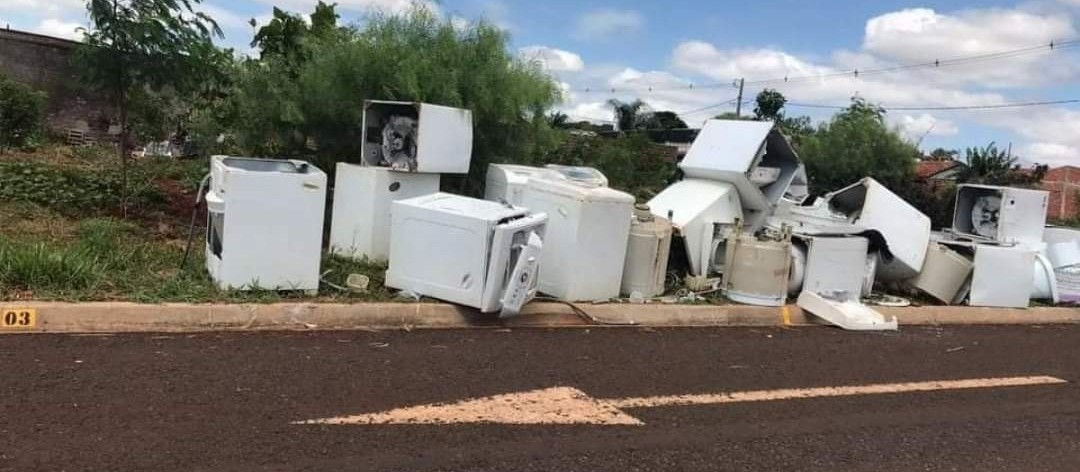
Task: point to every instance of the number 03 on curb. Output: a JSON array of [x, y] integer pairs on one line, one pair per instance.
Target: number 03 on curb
[[18, 318]]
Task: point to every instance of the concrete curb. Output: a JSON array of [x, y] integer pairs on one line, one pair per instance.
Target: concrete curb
[[110, 317]]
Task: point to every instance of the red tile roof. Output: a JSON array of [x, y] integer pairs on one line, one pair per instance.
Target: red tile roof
[[927, 169]]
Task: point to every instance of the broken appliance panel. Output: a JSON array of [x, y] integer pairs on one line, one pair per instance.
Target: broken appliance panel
[[1002, 276], [904, 230], [835, 264], [264, 225], [757, 270], [752, 155], [417, 137], [647, 251], [360, 225], [587, 232], [844, 310], [702, 212], [943, 273], [463, 250], [1000, 214]]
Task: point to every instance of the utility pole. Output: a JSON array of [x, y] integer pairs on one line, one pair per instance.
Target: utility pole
[[738, 104]]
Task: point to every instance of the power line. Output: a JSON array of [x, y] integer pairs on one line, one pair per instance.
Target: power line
[[943, 108], [855, 73]]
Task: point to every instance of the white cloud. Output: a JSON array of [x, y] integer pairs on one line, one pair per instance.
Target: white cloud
[[916, 127], [1051, 134], [51, 7], [364, 6], [606, 24], [553, 60], [919, 35], [58, 29]]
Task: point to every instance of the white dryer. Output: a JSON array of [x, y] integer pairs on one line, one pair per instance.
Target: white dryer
[[467, 251]]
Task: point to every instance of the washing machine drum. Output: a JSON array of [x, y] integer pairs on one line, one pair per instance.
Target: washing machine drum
[[985, 214]]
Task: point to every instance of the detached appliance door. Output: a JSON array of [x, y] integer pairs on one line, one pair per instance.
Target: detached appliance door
[[512, 245]]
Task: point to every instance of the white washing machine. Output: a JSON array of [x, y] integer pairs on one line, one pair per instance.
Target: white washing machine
[[507, 182], [587, 233], [360, 224], [265, 222], [467, 251]]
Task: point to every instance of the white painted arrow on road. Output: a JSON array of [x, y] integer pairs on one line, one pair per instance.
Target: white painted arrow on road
[[567, 405]]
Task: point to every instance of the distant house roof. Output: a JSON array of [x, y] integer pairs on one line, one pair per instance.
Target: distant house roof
[[930, 169]]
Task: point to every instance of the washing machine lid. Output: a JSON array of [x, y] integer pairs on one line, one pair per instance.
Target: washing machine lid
[[580, 175], [585, 193], [471, 207]]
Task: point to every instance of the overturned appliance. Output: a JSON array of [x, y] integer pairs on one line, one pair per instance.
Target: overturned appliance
[[265, 220], [754, 156], [1000, 214], [945, 274], [904, 230], [363, 195], [417, 137], [703, 213], [468, 251]]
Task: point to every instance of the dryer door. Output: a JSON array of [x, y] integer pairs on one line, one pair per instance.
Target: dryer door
[[507, 246]]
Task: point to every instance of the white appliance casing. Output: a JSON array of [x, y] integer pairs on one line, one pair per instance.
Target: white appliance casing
[[647, 252], [448, 247], [906, 230], [444, 138], [695, 207], [360, 224], [835, 264], [507, 182], [1021, 219], [586, 237], [271, 223]]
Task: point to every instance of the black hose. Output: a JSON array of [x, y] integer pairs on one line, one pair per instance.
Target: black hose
[[194, 216]]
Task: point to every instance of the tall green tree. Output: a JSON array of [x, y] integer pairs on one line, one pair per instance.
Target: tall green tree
[[769, 105], [21, 112], [137, 45], [418, 56], [857, 143]]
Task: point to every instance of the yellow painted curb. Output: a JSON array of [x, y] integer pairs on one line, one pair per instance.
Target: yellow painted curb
[[118, 317]]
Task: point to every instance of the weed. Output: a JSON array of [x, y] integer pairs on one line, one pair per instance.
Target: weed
[[43, 266]]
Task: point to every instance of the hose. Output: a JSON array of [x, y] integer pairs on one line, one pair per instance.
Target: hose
[[585, 315], [194, 214]]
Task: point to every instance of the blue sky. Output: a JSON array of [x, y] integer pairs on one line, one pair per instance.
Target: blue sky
[[632, 46]]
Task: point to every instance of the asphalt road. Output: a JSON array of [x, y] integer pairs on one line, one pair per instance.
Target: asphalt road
[[228, 401]]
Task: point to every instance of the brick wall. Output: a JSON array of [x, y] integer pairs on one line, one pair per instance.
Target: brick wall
[[43, 63], [1063, 183]]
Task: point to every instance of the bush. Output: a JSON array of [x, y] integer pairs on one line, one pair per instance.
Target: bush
[[21, 112], [632, 163]]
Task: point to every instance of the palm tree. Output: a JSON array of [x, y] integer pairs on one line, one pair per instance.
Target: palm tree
[[626, 113]]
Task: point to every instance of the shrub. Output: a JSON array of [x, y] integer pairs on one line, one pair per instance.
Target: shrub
[[21, 112], [632, 163]]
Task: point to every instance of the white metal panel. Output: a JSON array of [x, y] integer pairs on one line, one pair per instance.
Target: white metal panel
[[1003, 276], [835, 264], [943, 273], [695, 205], [360, 225], [725, 147], [585, 240]]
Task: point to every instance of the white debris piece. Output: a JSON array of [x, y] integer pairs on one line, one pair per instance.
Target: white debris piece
[[845, 310]]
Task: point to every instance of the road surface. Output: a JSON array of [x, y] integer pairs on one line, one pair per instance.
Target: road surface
[[245, 401]]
